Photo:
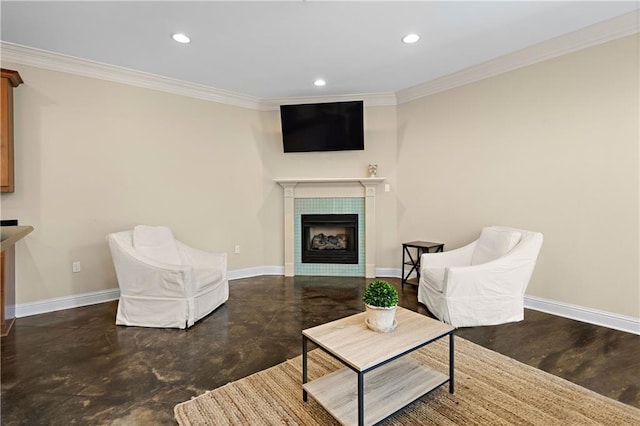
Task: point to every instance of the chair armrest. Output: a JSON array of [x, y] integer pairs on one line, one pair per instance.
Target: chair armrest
[[202, 259], [457, 257], [508, 275], [139, 275]]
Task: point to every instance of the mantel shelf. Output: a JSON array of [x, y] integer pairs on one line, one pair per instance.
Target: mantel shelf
[[330, 180]]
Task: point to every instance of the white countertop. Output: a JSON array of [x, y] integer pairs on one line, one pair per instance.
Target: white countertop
[[9, 235]]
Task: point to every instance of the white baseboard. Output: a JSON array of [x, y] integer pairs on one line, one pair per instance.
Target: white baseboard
[[388, 272], [255, 272], [68, 302], [579, 313], [86, 299]]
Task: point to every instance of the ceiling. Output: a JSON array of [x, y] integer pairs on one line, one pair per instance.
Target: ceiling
[[270, 49]]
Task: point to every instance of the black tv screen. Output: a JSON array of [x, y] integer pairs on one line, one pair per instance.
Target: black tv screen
[[333, 126]]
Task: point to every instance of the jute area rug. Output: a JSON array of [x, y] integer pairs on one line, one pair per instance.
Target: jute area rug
[[490, 389]]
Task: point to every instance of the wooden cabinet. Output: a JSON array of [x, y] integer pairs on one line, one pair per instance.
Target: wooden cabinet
[[7, 290], [10, 234], [9, 80]]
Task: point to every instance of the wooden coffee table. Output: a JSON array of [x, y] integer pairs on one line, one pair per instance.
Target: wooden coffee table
[[393, 381]]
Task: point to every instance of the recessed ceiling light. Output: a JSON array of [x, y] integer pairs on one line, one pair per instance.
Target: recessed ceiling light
[[319, 82], [181, 38], [410, 38]]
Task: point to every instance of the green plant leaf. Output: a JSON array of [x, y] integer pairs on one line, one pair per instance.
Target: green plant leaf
[[380, 293]]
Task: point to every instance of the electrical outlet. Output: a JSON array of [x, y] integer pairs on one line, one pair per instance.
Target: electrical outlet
[[387, 187], [75, 267], [236, 250]]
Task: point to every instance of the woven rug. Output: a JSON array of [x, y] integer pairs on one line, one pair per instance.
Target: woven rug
[[490, 389]]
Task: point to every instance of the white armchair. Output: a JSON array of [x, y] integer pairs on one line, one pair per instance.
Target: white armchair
[[482, 283], [163, 282]]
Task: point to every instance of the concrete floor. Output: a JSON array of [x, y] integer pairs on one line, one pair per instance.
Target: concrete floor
[[77, 367]]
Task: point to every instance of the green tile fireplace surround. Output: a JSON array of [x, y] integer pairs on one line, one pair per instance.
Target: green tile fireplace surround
[[330, 196], [329, 206]]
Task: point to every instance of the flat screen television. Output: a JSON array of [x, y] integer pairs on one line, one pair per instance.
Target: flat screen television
[[332, 126]]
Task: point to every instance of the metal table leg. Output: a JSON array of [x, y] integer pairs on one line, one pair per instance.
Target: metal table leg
[[404, 249], [304, 367], [360, 398], [451, 335]]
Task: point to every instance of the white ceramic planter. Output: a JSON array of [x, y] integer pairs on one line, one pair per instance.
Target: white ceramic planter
[[381, 319]]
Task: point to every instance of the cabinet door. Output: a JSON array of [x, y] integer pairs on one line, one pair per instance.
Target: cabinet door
[[9, 79], [6, 135], [8, 286], [2, 283]]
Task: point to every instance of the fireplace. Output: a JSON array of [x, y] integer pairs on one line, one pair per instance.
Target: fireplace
[[330, 195], [329, 238]]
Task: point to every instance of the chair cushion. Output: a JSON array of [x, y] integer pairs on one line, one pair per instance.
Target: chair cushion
[[156, 243], [494, 243]]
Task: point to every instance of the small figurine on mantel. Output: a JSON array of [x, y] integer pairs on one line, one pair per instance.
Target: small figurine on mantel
[[373, 170]]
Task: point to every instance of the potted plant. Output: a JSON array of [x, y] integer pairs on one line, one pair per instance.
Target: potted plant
[[381, 300]]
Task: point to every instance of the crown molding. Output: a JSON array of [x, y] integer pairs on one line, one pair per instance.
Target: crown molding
[[602, 32], [599, 33], [370, 100], [69, 64]]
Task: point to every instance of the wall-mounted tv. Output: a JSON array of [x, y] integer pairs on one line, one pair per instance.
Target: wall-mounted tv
[[332, 126]]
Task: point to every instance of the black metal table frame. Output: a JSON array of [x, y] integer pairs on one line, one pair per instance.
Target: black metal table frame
[[361, 374], [415, 263]]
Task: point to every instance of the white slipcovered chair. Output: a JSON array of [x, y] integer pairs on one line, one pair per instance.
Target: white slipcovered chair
[[482, 283], [163, 282]]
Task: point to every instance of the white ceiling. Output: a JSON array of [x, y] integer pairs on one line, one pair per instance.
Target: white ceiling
[[277, 49]]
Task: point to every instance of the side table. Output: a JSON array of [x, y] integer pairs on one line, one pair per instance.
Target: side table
[[420, 247]]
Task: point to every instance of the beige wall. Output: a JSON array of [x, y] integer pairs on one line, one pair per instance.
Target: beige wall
[[94, 157], [552, 147], [380, 148]]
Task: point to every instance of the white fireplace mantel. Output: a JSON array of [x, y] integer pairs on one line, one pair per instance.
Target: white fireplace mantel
[[330, 187], [331, 180]]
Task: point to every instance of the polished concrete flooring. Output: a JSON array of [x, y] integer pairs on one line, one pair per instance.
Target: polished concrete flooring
[[77, 367]]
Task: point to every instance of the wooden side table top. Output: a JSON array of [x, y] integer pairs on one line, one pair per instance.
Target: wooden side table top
[[355, 344], [422, 244]]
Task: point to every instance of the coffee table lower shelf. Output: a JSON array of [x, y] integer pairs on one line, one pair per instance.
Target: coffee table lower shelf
[[387, 389]]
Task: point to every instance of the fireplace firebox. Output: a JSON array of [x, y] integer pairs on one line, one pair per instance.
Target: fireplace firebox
[[329, 238]]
